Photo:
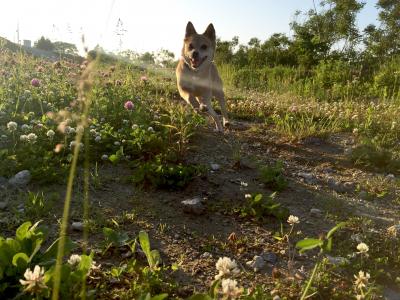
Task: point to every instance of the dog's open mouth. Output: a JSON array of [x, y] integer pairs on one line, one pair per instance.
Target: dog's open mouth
[[195, 62]]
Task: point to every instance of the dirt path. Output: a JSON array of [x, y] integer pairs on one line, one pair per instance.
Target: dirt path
[[196, 242]]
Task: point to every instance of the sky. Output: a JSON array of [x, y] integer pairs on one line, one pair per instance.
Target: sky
[[151, 25]]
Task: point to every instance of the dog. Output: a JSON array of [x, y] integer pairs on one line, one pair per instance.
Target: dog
[[197, 76]]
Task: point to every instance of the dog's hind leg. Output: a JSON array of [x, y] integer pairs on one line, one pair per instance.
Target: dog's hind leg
[[207, 102], [219, 95]]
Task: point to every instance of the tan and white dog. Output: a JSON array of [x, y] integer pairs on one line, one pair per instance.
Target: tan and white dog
[[197, 76]]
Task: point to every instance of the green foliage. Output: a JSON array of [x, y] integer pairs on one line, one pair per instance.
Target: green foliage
[[273, 177], [23, 252], [153, 256], [374, 157], [261, 208], [162, 173], [44, 44]]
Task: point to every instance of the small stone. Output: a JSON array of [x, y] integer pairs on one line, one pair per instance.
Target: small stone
[[215, 167], [337, 260], [257, 264], [276, 297], [127, 254], [308, 177], [269, 257], [3, 205], [20, 179], [77, 226], [193, 206], [315, 212], [349, 187], [206, 255]]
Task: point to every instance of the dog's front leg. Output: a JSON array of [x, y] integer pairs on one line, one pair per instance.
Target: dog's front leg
[[205, 103], [190, 99]]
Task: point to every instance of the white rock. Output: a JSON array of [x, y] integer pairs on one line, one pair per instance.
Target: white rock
[[77, 226], [20, 179], [315, 212], [3, 205], [257, 264], [193, 206], [215, 167], [206, 255]]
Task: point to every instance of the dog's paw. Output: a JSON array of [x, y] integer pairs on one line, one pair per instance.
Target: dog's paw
[[203, 108]]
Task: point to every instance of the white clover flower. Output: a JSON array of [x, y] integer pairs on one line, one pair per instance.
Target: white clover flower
[[97, 138], [93, 131], [12, 126], [150, 129], [34, 281], [293, 220], [23, 138], [125, 122], [50, 133], [226, 266], [25, 127], [247, 196], [135, 126], [40, 125], [71, 130], [32, 138], [104, 157], [362, 248], [74, 259], [361, 280], [116, 143], [230, 288]]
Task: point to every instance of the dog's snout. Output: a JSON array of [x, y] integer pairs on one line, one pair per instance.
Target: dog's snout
[[195, 54]]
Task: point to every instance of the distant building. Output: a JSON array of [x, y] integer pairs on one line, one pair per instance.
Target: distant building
[[27, 43]]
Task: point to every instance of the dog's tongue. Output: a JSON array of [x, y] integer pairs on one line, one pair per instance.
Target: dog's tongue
[[195, 62]]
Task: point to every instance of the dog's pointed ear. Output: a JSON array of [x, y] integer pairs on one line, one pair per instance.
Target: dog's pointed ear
[[210, 32], [190, 29]]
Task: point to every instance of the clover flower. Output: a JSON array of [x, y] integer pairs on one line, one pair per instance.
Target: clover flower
[[226, 266], [293, 220], [12, 126], [128, 105], [50, 133], [230, 288], [35, 82], [32, 138], [361, 280], [23, 138], [74, 259], [34, 281], [362, 248]]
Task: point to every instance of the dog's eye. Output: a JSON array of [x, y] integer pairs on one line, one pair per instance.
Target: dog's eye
[[190, 47], [203, 47]]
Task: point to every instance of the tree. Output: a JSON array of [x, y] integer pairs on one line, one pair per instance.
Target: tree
[[165, 58], [65, 48], [44, 44]]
